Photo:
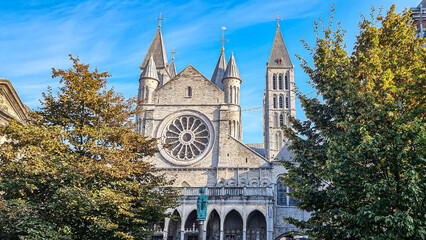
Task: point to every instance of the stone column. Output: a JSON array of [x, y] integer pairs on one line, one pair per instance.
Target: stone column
[[201, 230], [222, 220], [269, 221], [166, 228]]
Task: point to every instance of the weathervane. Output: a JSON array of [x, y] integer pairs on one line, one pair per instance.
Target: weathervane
[[223, 40], [278, 19], [159, 21], [173, 54]]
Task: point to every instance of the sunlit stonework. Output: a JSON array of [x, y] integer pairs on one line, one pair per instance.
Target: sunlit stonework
[[186, 137]]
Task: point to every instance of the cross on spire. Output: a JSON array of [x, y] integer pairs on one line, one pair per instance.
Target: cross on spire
[[159, 21], [278, 19], [223, 40], [173, 54]]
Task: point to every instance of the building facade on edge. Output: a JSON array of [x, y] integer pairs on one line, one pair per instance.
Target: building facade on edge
[[198, 123]]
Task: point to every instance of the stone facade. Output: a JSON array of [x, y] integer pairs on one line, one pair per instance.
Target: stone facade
[[198, 124], [11, 106]]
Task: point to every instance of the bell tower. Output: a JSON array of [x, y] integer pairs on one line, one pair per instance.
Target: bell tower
[[279, 99]]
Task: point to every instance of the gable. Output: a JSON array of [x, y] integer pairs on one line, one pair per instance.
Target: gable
[[11, 106], [240, 155], [176, 90]]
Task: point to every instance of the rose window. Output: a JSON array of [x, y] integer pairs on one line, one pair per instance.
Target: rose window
[[186, 137]]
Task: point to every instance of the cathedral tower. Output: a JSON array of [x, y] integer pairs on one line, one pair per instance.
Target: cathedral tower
[[158, 53], [279, 99]]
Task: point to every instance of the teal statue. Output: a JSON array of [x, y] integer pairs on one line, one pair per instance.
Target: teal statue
[[202, 205]]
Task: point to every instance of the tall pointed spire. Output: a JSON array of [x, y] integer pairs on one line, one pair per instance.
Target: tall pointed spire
[[232, 69], [219, 71], [279, 57], [157, 51], [150, 70]]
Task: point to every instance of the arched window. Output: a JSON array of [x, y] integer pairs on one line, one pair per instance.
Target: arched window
[[231, 94], [281, 81], [287, 102], [274, 82], [189, 92], [281, 191], [275, 101], [282, 119], [287, 82], [281, 101]]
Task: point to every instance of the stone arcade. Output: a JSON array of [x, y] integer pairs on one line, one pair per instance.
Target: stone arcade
[[198, 123]]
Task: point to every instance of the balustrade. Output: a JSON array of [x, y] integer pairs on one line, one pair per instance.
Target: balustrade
[[226, 191]]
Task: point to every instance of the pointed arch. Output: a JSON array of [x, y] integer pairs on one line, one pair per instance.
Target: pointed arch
[[233, 225], [280, 82], [213, 225], [274, 82], [191, 220], [287, 102], [184, 184], [275, 101], [174, 226], [282, 119], [256, 225], [281, 101]]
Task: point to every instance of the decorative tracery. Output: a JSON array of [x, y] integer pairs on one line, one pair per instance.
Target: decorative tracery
[[186, 137]]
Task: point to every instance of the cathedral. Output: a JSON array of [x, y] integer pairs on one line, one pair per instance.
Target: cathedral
[[198, 123]]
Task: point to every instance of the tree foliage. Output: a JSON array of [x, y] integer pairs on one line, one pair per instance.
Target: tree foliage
[[76, 171], [359, 158]]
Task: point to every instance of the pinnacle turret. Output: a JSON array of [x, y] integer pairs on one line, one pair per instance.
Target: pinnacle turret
[[172, 69], [150, 70], [232, 69], [219, 71]]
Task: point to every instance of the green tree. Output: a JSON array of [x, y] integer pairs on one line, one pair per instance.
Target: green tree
[[359, 158], [76, 171]]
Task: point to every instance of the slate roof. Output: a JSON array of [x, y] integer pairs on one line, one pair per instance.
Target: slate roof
[[279, 51], [219, 71], [150, 71], [157, 51], [232, 69]]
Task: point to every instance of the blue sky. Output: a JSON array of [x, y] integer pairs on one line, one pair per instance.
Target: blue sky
[[115, 35]]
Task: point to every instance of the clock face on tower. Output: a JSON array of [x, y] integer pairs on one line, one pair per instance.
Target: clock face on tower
[[186, 137]]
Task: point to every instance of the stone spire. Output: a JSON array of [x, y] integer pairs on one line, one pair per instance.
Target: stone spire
[[157, 52], [150, 70], [219, 71], [172, 67], [232, 69], [279, 57]]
